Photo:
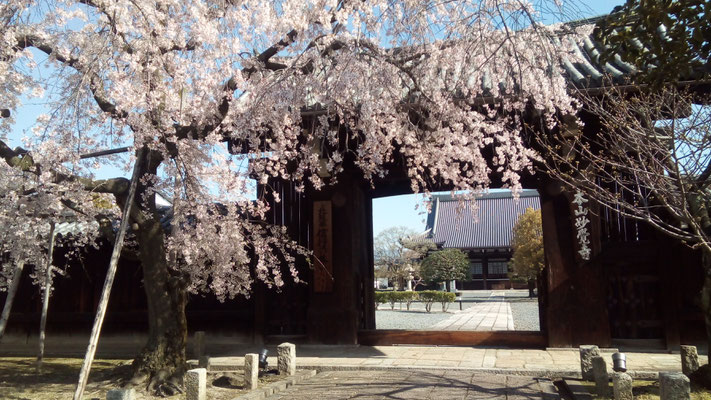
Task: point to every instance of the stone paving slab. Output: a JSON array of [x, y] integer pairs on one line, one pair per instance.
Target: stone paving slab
[[489, 316], [413, 384], [494, 314], [543, 363]]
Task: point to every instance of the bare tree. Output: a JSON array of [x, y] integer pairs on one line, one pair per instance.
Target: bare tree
[[644, 153], [398, 255]]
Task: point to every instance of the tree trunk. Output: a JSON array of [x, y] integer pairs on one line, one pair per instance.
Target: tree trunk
[[162, 361], [14, 284], [531, 287], [706, 293], [448, 285]]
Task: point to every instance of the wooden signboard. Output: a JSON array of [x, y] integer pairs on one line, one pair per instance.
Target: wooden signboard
[[323, 247]]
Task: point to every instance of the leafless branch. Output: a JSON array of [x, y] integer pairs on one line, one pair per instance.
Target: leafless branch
[[643, 155]]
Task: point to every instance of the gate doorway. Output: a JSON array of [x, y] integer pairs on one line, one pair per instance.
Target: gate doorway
[[490, 305]]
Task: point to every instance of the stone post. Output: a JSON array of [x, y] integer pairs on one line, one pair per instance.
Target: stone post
[[587, 352], [286, 359], [121, 394], [674, 386], [204, 362], [602, 380], [622, 386], [199, 344], [251, 371], [196, 384], [689, 360]]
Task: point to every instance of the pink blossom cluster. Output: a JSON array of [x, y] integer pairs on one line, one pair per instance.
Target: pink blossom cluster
[[302, 87], [29, 204]]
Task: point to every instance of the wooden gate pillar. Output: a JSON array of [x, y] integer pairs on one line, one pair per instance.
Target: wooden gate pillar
[[576, 304], [341, 289]]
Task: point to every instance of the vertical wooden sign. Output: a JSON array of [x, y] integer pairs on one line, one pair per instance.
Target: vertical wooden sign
[[581, 222], [323, 247]]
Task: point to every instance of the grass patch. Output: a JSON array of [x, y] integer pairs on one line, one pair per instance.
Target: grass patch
[[20, 380]]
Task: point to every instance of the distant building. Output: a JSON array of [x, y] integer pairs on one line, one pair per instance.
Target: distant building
[[483, 231]]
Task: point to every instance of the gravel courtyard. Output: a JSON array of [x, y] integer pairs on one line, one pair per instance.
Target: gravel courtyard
[[521, 310]]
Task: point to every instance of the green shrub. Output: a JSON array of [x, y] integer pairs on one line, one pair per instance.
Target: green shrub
[[517, 278], [407, 297], [411, 296], [446, 298], [381, 297], [430, 296], [393, 297]]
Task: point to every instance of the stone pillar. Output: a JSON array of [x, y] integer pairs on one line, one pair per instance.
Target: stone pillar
[[204, 362], [571, 286], [622, 386], [121, 394], [602, 380], [286, 359], [334, 316], [196, 384], [251, 371], [674, 386], [199, 344], [689, 360], [587, 352]]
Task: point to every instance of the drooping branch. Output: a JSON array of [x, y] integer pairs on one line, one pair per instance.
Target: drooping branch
[[95, 82], [230, 87]]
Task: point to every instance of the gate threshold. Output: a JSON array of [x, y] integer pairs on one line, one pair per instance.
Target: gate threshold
[[513, 339]]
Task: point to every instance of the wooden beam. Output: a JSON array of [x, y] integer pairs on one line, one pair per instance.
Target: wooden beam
[[105, 152], [110, 275], [515, 339], [45, 298]]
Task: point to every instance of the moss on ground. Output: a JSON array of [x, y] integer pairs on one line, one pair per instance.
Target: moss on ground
[[20, 380]]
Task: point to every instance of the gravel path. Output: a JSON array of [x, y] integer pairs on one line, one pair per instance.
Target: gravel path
[[416, 319], [417, 384], [525, 315]]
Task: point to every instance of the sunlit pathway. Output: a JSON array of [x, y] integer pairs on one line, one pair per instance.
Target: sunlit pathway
[[493, 314], [417, 385]]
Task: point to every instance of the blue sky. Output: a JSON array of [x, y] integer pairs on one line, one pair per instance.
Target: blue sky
[[387, 212]]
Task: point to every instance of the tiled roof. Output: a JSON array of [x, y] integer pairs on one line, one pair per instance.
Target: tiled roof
[[490, 226], [587, 70], [419, 238]]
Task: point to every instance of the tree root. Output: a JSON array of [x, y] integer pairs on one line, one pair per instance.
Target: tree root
[[163, 385], [159, 373]]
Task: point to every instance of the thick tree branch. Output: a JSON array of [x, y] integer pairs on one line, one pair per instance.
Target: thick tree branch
[[20, 158], [703, 178], [95, 82]]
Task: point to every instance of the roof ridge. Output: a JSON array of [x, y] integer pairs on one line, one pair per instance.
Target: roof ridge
[[489, 195]]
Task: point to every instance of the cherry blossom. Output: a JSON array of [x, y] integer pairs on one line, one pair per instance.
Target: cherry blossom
[[301, 89]]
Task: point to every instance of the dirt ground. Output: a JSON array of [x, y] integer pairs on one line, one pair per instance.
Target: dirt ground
[[649, 390], [19, 380]]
